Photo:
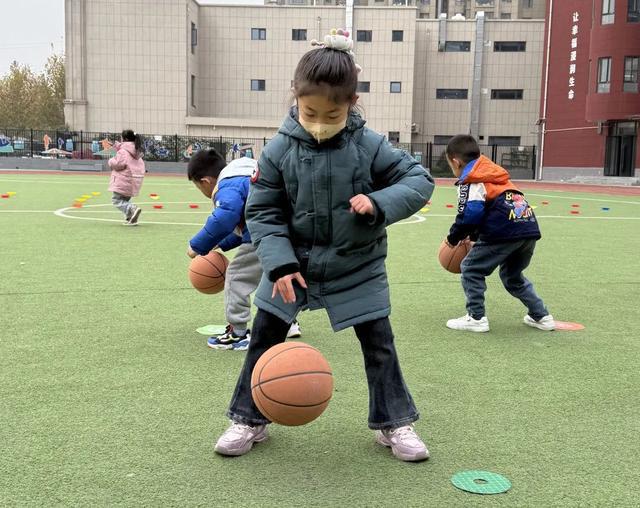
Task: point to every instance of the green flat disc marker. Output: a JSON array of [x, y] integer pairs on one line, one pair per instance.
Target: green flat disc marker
[[481, 482], [210, 330]]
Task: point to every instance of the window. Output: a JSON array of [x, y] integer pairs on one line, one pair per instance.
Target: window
[[506, 94], [633, 11], [258, 85], [441, 139], [397, 35], [509, 46], [364, 35], [527, 4], [194, 37], [451, 93], [505, 15], [604, 75], [258, 34], [364, 86], [298, 34], [504, 140], [395, 87], [608, 11], [488, 15], [631, 65], [193, 91], [484, 3], [457, 46], [394, 136]]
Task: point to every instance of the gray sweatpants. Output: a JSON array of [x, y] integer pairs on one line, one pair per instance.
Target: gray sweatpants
[[512, 258], [123, 203], [242, 278]]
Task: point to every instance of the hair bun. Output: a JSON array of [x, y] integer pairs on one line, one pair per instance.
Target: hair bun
[[338, 40]]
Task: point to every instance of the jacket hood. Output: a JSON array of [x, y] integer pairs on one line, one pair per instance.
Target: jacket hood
[[486, 171], [130, 147], [244, 166], [291, 126]]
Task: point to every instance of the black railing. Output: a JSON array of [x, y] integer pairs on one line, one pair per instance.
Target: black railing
[[519, 160], [97, 145]]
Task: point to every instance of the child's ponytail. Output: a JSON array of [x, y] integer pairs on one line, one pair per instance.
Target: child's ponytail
[[139, 143], [129, 135]]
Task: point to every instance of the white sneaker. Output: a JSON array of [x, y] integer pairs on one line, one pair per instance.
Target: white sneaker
[[469, 324], [294, 331], [239, 438], [546, 323], [404, 443]]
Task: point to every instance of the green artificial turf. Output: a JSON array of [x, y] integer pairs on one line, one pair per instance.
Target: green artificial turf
[[110, 397]]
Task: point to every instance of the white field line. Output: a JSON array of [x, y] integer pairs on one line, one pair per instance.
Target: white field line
[[61, 212], [600, 200]]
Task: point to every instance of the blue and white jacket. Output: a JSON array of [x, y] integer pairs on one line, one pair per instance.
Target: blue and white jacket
[[226, 228]]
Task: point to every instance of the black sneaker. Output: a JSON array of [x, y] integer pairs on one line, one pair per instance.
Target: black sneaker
[[227, 340], [134, 216]]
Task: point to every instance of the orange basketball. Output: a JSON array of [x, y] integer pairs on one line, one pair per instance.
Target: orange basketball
[[206, 273], [292, 383], [451, 257]]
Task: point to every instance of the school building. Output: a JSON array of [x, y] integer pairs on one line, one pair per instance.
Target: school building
[[590, 108], [425, 9], [179, 67]]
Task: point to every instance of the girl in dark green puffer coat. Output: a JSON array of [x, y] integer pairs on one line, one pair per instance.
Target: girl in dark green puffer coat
[[324, 191]]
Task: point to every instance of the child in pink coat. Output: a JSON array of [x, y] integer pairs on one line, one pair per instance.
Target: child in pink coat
[[127, 173]]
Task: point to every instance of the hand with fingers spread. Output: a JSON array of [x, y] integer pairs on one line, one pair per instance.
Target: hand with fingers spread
[[284, 287], [361, 205]]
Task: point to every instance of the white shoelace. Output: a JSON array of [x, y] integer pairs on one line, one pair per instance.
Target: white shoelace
[[405, 433]]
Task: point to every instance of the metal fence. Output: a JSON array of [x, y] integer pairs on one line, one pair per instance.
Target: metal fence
[[98, 145], [520, 161]]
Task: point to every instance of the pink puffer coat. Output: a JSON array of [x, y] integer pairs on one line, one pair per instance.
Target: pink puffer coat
[[127, 170]]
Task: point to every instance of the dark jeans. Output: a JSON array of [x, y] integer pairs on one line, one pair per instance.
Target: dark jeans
[[512, 258], [390, 403]]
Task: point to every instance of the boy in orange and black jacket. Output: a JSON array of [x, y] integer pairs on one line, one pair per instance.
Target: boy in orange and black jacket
[[493, 210]]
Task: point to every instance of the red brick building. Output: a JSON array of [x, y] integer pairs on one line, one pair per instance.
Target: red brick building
[[590, 107]]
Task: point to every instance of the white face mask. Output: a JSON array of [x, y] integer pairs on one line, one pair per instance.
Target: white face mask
[[322, 131]]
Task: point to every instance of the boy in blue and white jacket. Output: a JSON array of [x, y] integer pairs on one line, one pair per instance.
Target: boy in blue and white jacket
[[225, 229]]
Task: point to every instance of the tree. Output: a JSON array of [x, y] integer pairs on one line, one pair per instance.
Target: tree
[[16, 92], [30, 101]]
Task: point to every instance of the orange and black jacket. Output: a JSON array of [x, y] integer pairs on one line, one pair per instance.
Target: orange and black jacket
[[490, 207]]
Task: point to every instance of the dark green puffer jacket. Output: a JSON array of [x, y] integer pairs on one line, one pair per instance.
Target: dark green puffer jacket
[[299, 219]]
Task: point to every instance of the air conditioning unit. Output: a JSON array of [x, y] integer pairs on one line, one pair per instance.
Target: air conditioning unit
[[415, 128]]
